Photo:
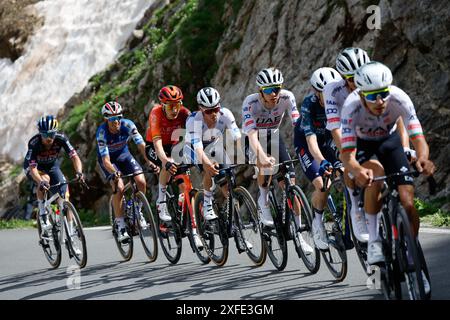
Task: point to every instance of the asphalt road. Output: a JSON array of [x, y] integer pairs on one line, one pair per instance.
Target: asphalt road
[[25, 274]]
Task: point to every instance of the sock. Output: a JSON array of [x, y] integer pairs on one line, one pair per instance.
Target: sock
[[207, 198], [41, 207], [318, 214], [354, 201], [297, 220], [372, 227], [120, 222], [161, 193], [263, 196]]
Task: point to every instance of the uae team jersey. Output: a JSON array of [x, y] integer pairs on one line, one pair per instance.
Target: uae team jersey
[[358, 122], [161, 127], [256, 116], [199, 135], [334, 95]]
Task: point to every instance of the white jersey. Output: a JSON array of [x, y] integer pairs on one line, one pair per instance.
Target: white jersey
[[358, 122], [199, 135], [334, 95], [256, 116]]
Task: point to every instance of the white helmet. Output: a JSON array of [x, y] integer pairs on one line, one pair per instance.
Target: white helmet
[[208, 97], [269, 77], [373, 76], [350, 59], [322, 76], [111, 108]]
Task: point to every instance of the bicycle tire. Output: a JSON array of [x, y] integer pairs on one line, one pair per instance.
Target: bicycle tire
[[407, 243], [275, 236], [249, 222], [213, 232], [169, 234], [53, 256], [125, 248], [312, 265], [335, 239], [147, 235], [69, 207], [202, 255]]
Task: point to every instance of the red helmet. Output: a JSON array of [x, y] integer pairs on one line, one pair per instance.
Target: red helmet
[[170, 94]]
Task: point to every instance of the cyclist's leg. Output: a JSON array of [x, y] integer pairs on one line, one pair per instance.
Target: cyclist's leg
[[118, 186], [394, 160]]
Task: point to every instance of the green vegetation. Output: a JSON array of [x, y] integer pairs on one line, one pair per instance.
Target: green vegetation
[[16, 171], [90, 219], [430, 212], [17, 224]]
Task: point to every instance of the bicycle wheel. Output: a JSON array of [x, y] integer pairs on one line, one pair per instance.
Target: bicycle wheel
[[125, 247], [390, 277], [335, 256], [213, 232], [169, 233], [275, 241], [311, 260], [50, 242], [410, 264], [202, 255], [360, 247], [249, 235], [147, 232], [76, 241]]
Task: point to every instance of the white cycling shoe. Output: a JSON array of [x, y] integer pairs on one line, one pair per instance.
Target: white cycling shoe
[[319, 235], [162, 212], [198, 242], [306, 248], [265, 216], [208, 212], [359, 225], [375, 252]]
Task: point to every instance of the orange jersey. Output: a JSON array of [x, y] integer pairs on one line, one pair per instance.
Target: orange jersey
[[161, 127]]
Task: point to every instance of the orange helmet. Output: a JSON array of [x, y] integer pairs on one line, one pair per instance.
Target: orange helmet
[[170, 94]]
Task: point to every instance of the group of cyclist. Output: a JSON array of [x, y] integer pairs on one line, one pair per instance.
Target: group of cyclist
[[351, 114]]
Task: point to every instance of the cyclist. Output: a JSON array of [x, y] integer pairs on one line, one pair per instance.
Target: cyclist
[[42, 166], [315, 147], [115, 158], [369, 122], [204, 141], [262, 114], [163, 120]]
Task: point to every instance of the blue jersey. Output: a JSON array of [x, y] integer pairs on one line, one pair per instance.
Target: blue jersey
[[313, 119], [113, 145]]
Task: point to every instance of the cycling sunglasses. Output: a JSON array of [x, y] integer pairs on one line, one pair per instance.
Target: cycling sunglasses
[[272, 89], [211, 111], [371, 96], [50, 134], [349, 77], [114, 118], [173, 106]]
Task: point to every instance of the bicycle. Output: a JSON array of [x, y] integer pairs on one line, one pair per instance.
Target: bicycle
[[135, 206], [71, 234], [183, 218], [237, 218], [336, 224], [285, 227], [398, 243]]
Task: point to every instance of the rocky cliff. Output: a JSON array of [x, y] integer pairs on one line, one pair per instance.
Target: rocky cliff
[[225, 43]]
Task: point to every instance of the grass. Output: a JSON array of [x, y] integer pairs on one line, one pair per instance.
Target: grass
[[431, 214], [17, 224]]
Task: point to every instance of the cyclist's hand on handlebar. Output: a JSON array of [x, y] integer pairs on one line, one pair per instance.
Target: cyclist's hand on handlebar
[[325, 168], [212, 169], [410, 154], [364, 177], [80, 177], [425, 166], [152, 167], [44, 185], [116, 175], [267, 162], [171, 167]]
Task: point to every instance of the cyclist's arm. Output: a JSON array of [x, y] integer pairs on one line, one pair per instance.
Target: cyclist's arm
[[108, 165], [402, 132], [159, 149], [255, 144], [337, 136], [349, 159], [77, 165], [313, 147], [34, 173]]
